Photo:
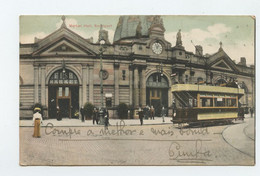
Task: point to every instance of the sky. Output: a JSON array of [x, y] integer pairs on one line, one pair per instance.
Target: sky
[[235, 32]]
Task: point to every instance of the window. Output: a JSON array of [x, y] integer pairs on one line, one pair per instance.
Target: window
[[154, 78], [231, 102], [66, 91], [219, 102], [60, 92], [61, 77], [108, 101], [206, 102], [123, 74]]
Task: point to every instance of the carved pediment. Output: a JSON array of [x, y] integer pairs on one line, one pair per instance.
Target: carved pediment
[[63, 46], [222, 65]]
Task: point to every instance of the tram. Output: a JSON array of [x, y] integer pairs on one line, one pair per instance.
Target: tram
[[199, 104]]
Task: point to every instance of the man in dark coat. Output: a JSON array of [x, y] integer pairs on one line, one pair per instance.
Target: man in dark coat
[[95, 116], [58, 114], [106, 115], [141, 115], [82, 114]]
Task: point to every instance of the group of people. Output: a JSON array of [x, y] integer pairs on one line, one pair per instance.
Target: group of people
[[97, 114], [148, 112]]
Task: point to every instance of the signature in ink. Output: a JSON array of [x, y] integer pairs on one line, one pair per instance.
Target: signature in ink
[[196, 154]]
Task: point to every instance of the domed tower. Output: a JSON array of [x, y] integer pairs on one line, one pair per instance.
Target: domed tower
[[135, 27]]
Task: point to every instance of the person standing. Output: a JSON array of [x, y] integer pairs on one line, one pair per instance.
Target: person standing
[[58, 114], [106, 114], [141, 115], [95, 116], [152, 112], [82, 114], [163, 113], [37, 121], [251, 112], [148, 113]]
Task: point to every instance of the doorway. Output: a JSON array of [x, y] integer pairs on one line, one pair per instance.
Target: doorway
[[157, 92], [63, 91], [64, 105]]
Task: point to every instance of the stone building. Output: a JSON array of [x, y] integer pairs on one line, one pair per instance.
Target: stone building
[[139, 67]]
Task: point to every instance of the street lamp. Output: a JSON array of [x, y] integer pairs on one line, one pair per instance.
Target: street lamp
[[101, 51], [160, 69]]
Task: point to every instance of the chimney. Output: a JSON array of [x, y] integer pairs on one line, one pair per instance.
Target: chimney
[[199, 50], [242, 61]]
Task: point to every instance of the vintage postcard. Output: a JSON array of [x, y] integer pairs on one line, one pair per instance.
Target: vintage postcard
[[137, 90]]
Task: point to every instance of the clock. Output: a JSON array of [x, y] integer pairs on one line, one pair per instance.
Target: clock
[[105, 74], [157, 48]]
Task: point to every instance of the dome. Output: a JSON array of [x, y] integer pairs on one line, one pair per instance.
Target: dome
[[127, 26]]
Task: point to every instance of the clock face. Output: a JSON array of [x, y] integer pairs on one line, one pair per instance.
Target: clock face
[[157, 48], [105, 74]]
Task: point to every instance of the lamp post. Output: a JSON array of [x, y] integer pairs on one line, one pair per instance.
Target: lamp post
[[101, 51], [160, 69]]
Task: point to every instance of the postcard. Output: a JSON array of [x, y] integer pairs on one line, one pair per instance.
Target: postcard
[[137, 90]]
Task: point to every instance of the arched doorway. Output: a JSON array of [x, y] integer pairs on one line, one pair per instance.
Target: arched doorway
[[63, 91], [157, 92]]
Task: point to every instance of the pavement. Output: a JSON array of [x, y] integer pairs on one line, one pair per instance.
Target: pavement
[[155, 143], [66, 122]]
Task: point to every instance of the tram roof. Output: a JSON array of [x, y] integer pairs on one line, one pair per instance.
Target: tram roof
[[206, 88]]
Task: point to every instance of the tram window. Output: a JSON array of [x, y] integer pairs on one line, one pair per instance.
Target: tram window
[[206, 102], [231, 102], [195, 102], [219, 102]]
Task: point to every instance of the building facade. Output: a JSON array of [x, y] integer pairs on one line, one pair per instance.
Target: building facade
[[139, 68]]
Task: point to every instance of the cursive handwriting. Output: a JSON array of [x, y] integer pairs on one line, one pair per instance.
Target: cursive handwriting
[[190, 131], [178, 152], [54, 131], [162, 132], [118, 131]]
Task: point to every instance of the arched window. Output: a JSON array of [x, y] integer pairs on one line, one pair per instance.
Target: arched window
[[156, 80], [64, 77], [220, 81], [200, 79]]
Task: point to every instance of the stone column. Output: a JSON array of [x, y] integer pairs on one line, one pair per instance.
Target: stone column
[[136, 88], [131, 85], [80, 97], [91, 85], [84, 83], [36, 83], [116, 77], [143, 87], [43, 85]]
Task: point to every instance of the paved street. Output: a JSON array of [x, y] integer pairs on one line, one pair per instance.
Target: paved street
[[126, 144]]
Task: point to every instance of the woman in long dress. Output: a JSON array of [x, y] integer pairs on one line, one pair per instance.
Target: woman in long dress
[[37, 119]]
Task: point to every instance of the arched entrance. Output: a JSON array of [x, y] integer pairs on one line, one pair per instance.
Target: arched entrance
[[63, 91], [157, 92]]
